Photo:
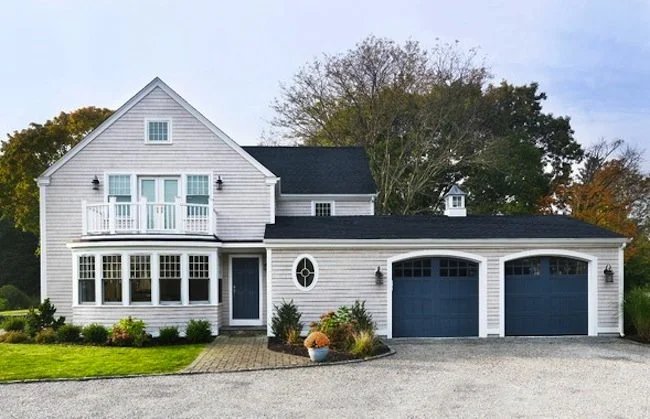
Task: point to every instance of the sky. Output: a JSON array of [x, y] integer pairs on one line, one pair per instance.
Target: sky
[[229, 58]]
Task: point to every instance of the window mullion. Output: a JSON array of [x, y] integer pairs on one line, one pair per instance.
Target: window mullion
[[98, 279], [155, 279], [126, 261], [185, 284]]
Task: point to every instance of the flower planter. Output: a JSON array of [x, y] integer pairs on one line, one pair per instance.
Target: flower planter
[[318, 354]]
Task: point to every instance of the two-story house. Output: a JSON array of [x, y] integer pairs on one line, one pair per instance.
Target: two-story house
[[159, 215]]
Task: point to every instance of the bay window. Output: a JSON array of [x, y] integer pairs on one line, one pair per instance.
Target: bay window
[[112, 278], [86, 278], [199, 277], [170, 278], [140, 278]]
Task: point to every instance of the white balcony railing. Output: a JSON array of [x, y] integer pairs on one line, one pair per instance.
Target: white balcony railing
[[148, 218]]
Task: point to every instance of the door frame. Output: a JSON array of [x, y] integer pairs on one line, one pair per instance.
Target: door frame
[[482, 283], [245, 322], [592, 283]]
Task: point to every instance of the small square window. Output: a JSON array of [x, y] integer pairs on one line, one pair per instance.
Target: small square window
[[158, 131], [456, 202], [322, 209]]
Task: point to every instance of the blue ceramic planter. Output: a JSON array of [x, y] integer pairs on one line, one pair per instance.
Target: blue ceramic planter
[[318, 354]]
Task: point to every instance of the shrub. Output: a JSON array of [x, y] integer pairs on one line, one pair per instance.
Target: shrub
[[128, 332], [363, 344], [198, 331], [15, 298], [637, 306], [286, 321], [41, 317], [338, 327], [47, 335], [95, 334], [293, 336], [168, 335], [68, 333], [317, 340], [13, 324], [361, 319], [4, 304], [14, 337]]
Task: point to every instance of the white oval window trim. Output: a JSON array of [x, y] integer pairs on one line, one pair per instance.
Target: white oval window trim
[[294, 272]]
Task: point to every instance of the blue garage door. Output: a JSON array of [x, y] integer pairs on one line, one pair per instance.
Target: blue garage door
[[546, 296], [435, 297]]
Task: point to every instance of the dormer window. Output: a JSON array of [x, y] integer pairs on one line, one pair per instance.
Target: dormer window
[[158, 131], [322, 209]]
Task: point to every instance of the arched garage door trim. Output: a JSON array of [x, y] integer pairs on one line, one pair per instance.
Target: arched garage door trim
[[482, 283], [592, 283]]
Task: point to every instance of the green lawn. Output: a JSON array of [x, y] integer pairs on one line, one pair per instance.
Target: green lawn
[[11, 313], [24, 361]]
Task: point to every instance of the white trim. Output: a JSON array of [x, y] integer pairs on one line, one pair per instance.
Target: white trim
[[272, 203], [332, 207], [42, 211], [156, 83], [169, 130], [314, 262], [482, 284], [592, 283], [269, 291], [621, 289], [427, 243], [326, 197], [245, 322]]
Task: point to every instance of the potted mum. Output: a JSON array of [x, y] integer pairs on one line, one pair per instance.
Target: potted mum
[[317, 345]]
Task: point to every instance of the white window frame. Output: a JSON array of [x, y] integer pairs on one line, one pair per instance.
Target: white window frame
[[331, 204], [169, 130], [151, 290], [183, 269], [294, 266], [453, 201], [77, 276], [189, 278]]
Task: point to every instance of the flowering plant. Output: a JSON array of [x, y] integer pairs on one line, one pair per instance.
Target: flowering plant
[[317, 340]]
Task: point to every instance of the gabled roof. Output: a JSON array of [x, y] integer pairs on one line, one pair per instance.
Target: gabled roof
[[318, 170], [155, 83], [454, 190], [435, 227]]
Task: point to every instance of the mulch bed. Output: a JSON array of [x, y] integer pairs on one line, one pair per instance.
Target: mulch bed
[[277, 345]]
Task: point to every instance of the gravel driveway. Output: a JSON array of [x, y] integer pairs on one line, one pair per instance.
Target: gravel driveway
[[514, 377]]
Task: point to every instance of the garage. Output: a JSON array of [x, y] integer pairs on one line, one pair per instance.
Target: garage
[[435, 297], [546, 296]]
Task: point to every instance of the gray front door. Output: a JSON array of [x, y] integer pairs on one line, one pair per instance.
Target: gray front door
[[245, 290]]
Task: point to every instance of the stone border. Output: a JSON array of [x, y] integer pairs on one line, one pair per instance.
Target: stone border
[[180, 373]]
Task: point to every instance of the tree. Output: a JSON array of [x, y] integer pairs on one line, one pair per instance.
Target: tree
[[427, 119], [610, 190], [18, 261], [29, 152]]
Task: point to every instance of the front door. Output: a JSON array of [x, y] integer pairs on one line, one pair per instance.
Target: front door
[[161, 194], [245, 291]]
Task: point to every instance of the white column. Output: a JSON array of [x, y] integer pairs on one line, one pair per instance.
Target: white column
[[98, 280], [111, 214], [185, 279], [142, 215], [126, 297], [269, 289], [214, 278], [178, 213], [155, 278], [75, 279]]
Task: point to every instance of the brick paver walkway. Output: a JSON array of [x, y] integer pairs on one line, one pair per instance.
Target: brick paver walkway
[[240, 353]]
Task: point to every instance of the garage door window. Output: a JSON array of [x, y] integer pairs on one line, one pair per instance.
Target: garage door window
[[565, 266], [457, 268], [524, 267], [305, 272], [416, 268]]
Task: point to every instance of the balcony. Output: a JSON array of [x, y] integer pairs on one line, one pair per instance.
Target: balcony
[[148, 218]]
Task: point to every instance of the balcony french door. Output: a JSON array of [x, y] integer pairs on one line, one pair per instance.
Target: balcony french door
[[161, 194]]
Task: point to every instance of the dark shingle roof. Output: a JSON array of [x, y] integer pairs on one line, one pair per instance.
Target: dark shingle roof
[[318, 170], [434, 227]]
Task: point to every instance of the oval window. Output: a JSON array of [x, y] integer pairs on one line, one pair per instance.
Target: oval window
[[305, 272]]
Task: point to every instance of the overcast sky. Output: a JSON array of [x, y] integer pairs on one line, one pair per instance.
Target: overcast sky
[[228, 58]]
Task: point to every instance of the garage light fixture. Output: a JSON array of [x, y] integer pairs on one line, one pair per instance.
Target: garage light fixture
[[609, 274], [379, 276]]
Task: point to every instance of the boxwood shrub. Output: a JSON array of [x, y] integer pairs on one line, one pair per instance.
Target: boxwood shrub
[[198, 331], [95, 334]]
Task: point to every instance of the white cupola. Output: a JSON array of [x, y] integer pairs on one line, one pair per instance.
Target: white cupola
[[455, 202]]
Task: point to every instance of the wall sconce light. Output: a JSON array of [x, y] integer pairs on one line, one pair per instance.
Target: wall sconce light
[[609, 274], [95, 183], [219, 183], [379, 276]]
